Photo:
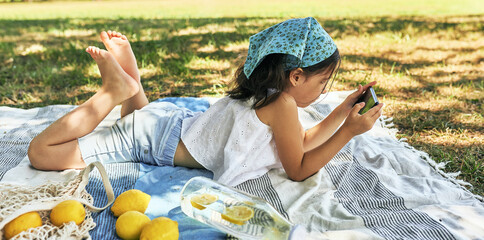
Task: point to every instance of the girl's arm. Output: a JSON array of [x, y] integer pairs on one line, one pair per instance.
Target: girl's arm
[[320, 133], [285, 125]]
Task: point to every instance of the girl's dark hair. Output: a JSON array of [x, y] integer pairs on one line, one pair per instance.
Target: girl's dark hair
[[270, 74]]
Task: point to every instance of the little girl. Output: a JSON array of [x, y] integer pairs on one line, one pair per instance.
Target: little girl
[[240, 137]]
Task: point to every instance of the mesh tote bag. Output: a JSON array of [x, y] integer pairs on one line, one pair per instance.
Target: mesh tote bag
[[16, 200]]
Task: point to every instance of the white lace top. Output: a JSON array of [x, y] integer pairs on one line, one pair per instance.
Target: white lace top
[[230, 140]]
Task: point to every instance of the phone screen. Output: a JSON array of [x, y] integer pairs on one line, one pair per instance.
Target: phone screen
[[370, 99]]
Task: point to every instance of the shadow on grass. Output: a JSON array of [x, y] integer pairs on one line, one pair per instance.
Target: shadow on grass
[[169, 45], [420, 120]]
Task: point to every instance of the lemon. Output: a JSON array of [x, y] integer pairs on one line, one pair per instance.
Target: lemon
[[238, 214], [198, 201], [131, 200], [130, 223], [66, 211], [161, 228], [22, 223]]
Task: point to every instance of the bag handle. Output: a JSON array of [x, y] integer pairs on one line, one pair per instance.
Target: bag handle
[[48, 204], [85, 180]]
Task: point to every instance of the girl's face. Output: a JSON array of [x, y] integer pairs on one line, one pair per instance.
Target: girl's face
[[307, 89]]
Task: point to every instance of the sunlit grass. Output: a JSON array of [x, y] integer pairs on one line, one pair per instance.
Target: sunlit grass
[[208, 64], [429, 65], [183, 9]]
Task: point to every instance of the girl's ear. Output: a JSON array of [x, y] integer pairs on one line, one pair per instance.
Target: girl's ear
[[296, 76]]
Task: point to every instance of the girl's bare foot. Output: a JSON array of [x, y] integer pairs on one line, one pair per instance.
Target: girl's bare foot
[[118, 45], [115, 81]]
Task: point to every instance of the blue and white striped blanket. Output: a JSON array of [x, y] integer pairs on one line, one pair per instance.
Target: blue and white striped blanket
[[376, 188]]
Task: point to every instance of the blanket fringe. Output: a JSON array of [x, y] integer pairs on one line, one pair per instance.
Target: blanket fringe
[[387, 123]]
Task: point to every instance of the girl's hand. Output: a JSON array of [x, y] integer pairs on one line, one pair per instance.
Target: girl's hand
[[357, 124], [348, 103]]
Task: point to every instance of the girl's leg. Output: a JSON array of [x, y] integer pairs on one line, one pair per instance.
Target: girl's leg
[[56, 148], [118, 45]]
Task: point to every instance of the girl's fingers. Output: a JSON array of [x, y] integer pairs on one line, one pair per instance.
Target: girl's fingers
[[369, 85], [357, 93], [379, 113], [376, 111], [357, 108], [364, 88], [361, 89]]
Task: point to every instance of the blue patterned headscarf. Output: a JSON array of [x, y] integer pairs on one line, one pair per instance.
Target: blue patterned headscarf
[[304, 41]]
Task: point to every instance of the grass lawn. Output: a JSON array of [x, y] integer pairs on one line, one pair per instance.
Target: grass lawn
[[427, 56]]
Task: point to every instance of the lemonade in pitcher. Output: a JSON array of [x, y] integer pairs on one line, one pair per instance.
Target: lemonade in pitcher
[[232, 211]]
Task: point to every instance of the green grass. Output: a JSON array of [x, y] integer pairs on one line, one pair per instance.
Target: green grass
[[181, 9], [427, 57]]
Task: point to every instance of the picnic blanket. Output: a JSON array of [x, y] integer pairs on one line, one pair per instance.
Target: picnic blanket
[[376, 187]]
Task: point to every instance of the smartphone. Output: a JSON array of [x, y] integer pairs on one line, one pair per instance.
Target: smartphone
[[370, 100]]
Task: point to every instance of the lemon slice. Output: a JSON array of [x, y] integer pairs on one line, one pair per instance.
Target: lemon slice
[[201, 200], [238, 214]]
